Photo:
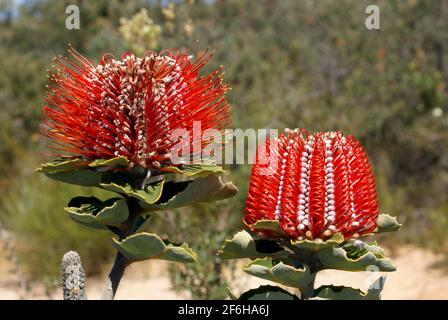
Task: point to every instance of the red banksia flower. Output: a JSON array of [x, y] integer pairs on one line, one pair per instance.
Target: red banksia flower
[[129, 107], [322, 184]]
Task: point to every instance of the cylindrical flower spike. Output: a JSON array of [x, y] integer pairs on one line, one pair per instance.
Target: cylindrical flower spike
[[129, 107], [315, 186]]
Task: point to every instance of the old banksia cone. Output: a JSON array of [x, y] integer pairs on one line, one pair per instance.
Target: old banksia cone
[[130, 107], [317, 185]]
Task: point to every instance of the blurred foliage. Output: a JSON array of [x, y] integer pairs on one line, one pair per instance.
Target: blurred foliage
[[33, 209], [207, 226], [290, 63], [140, 32]]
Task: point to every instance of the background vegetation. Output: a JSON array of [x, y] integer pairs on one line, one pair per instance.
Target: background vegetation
[[290, 63]]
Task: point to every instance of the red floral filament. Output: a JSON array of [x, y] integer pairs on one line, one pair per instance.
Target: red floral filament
[[322, 184], [129, 107]]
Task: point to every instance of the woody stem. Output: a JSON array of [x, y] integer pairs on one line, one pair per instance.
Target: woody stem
[[114, 277], [308, 291], [120, 263]]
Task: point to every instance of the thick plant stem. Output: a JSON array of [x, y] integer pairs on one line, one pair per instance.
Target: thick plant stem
[[120, 263], [308, 291], [114, 277]]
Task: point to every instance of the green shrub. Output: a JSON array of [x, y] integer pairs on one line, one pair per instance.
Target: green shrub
[[33, 209], [205, 228]]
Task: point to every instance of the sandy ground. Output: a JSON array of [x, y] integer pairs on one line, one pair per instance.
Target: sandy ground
[[415, 279]]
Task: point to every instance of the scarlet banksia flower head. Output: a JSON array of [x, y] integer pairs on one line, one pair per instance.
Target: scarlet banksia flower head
[[130, 107], [314, 185]]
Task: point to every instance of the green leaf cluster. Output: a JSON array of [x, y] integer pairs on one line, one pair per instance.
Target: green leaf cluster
[[140, 193], [295, 263]]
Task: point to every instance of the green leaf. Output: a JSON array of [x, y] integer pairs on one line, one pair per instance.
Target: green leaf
[[148, 195], [267, 293], [270, 225], [357, 248], [281, 273], [113, 162], [196, 170], [210, 188], [69, 164], [330, 292], [82, 177], [78, 171], [242, 245], [95, 213], [143, 246], [182, 253], [387, 223], [141, 222], [374, 292], [318, 244], [63, 164], [338, 258]]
